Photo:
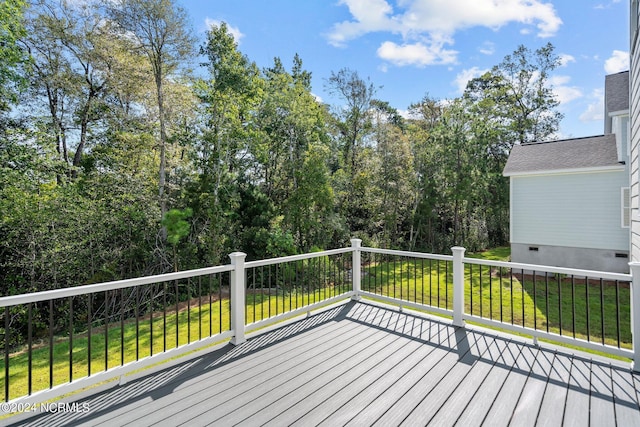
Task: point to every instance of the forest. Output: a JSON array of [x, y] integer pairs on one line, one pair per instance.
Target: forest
[[129, 147]]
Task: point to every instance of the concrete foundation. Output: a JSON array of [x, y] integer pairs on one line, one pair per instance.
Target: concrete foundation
[[581, 258]]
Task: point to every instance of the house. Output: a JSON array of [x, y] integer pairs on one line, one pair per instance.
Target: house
[[570, 198]]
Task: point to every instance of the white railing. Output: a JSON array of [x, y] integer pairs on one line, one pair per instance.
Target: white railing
[[161, 318], [437, 283]]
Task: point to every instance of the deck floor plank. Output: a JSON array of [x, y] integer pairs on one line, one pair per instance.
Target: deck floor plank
[[601, 402], [576, 411], [246, 373], [476, 408], [258, 396], [555, 395], [465, 375], [528, 407], [503, 405], [281, 399], [359, 389], [347, 409], [362, 364], [450, 411], [399, 393], [625, 399]]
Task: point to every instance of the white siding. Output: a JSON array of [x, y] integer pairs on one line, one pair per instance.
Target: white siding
[[579, 210], [634, 111]]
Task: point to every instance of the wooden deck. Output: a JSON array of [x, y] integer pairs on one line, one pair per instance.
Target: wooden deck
[[360, 364]]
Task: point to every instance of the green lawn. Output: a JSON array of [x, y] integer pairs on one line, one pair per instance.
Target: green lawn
[[554, 304]]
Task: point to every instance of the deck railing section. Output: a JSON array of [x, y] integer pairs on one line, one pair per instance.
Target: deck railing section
[[589, 309], [418, 280], [283, 287], [84, 335], [58, 341]]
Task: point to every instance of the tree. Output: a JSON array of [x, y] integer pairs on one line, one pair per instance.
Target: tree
[[394, 177], [354, 117], [519, 94], [354, 170], [12, 56], [162, 33]]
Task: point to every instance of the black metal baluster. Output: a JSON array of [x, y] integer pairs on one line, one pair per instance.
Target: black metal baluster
[[511, 291], [501, 295], [136, 313], [189, 310], [560, 302], [70, 339], [602, 308], [7, 336], [30, 346], [438, 285], [50, 344], [89, 321], [535, 297], [164, 316], [422, 280], [546, 298], [150, 311], [210, 292], [522, 287], [490, 293], [588, 305], [106, 330], [177, 314], [573, 304], [471, 288], [618, 311], [199, 308], [122, 304], [480, 296], [446, 285], [430, 282]]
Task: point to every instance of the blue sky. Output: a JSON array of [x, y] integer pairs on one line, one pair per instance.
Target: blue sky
[[411, 48]]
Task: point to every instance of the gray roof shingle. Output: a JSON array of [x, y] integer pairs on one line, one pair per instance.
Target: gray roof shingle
[[616, 89], [568, 154]]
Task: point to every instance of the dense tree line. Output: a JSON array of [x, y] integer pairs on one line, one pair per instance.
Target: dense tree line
[[117, 160]]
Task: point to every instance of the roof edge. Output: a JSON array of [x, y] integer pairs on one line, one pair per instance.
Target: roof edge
[[612, 168]]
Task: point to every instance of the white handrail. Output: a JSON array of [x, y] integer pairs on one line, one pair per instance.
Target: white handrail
[[550, 269], [300, 257], [108, 286], [408, 254]]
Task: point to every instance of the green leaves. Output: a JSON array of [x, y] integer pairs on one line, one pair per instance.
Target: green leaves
[[177, 226]]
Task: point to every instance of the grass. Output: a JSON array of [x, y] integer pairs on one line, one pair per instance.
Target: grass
[[560, 305]]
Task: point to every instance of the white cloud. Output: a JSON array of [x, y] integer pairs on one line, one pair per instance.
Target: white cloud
[[619, 61], [565, 59], [234, 31], [418, 54], [465, 76], [595, 110], [426, 25], [487, 48], [563, 91]]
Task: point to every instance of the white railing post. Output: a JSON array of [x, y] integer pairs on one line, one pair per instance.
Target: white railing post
[[355, 268], [237, 297], [458, 285], [634, 268]]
